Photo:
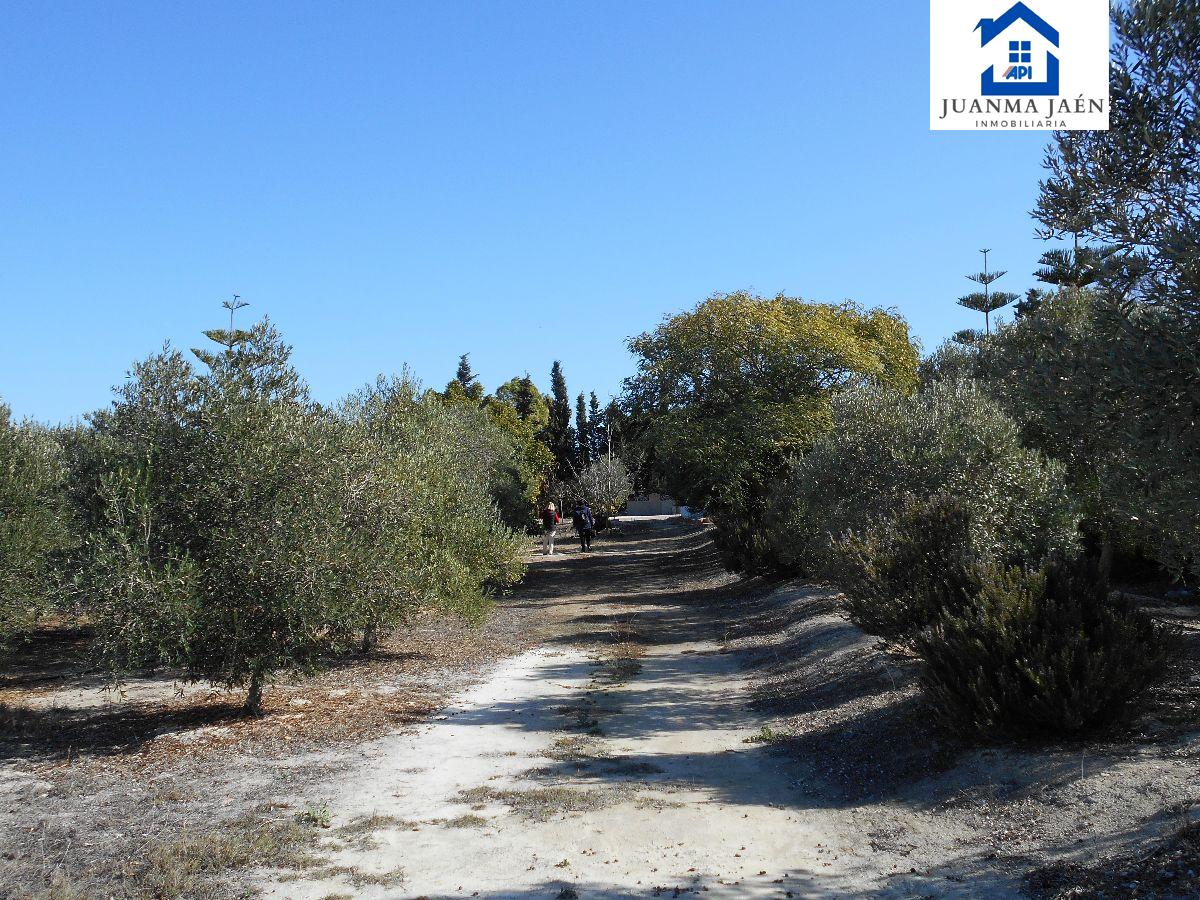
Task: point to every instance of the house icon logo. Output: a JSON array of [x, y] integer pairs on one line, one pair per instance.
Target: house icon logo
[[1022, 43], [997, 65]]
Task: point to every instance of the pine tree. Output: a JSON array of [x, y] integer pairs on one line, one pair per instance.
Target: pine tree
[[987, 301], [583, 434]]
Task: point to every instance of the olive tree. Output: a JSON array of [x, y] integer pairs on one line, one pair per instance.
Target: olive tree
[[226, 550], [951, 440], [34, 523], [605, 485]]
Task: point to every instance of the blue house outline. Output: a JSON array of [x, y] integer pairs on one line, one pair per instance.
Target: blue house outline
[[993, 28]]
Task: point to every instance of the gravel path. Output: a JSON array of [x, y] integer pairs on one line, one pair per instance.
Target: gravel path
[[624, 759], [626, 756]]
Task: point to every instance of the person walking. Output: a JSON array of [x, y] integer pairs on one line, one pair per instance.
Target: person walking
[[585, 524], [550, 520]]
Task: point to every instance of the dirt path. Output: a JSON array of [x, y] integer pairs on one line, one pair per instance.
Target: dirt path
[[620, 760]]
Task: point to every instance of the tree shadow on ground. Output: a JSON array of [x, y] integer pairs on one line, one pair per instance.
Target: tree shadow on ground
[[54, 733]]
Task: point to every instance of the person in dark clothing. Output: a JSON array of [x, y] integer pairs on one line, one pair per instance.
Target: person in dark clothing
[[585, 525]]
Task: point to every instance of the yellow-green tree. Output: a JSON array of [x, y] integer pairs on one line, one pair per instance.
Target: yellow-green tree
[[735, 387]]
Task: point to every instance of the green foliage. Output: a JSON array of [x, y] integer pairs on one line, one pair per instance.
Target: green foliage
[[245, 530], [597, 427], [886, 447], [523, 396], [558, 435], [1105, 389], [1129, 199], [1039, 653], [726, 393], [34, 523], [583, 433], [508, 441], [1132, 189], [425, 475], [986, 301], [519, 461], [900, 574], [465, 388], [605, 485]]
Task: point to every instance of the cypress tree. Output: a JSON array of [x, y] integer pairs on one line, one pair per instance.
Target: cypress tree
[[583, 434], [524, 398], [596, 427], [560, 436]]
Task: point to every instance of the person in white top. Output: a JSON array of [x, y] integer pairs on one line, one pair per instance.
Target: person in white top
[[550, 520]]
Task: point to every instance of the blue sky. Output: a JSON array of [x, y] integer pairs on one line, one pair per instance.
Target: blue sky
[[404, 182]]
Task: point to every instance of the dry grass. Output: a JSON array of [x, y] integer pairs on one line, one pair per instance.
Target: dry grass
[[372, 823], [356, 876], [470, 820], [192, 863], [541, 804]]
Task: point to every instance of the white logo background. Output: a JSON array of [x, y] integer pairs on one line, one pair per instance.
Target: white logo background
[[957, 63]]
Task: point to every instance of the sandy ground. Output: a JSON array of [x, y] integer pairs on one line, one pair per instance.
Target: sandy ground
[[667, 794], [577, 768], [657, 727], [580, 770]]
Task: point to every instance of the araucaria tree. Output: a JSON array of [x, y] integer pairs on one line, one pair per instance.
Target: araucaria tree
[[734, 388], [987, 301]]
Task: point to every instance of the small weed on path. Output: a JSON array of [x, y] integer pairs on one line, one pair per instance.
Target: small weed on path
[[541, 804], [765, 735], [470, 820]]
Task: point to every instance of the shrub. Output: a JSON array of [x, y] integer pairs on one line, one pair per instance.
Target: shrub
[[731, 389], [427, 471], [1110, 391], [949, 439], [901, 573], [245, 530], [1039, 652], [34, 523], [605, 485]]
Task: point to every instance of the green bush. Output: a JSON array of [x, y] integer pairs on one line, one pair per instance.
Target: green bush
[[34, 523], [901, 573], [1111, 392], [245, 530], [433, 531], [730, 390], [886, 448], [1039, 653]]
